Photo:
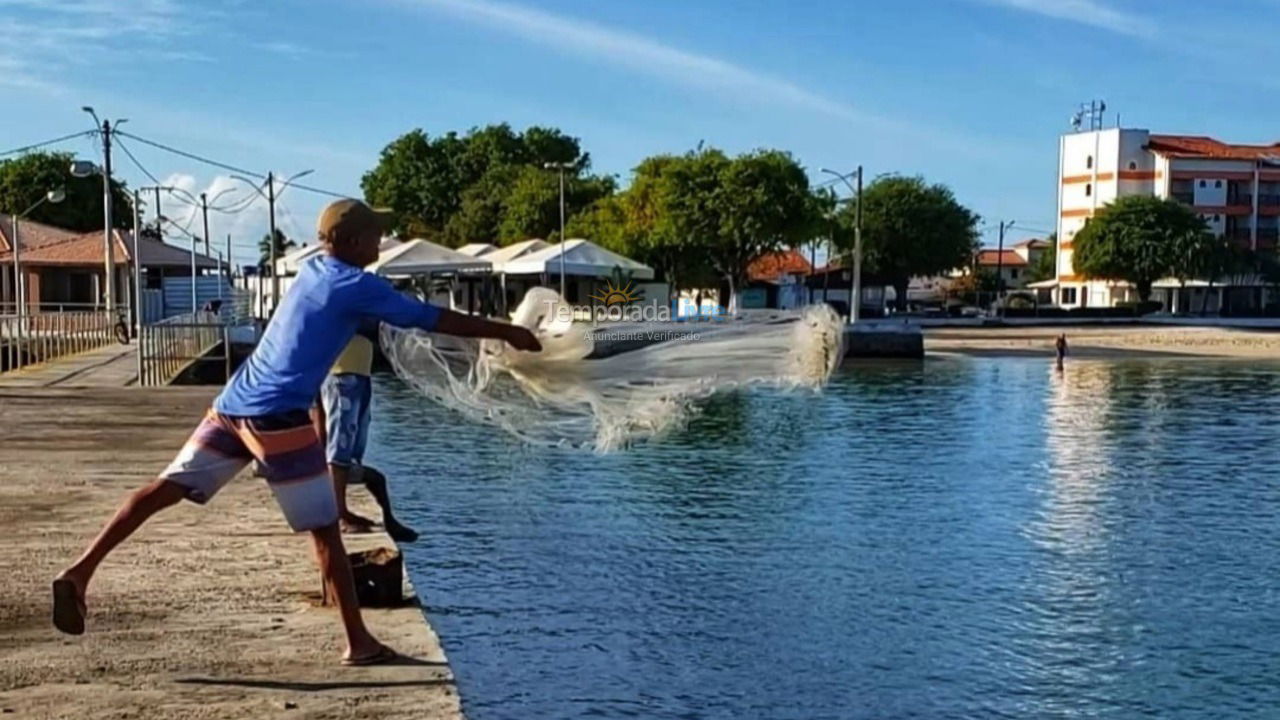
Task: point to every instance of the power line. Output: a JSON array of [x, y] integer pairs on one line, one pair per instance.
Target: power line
[[191, 156], [137, 164], [54, 141], [225, 166], [318, 191]]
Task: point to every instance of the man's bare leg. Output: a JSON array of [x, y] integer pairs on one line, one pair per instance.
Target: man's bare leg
[[376, 483], [70, 585], [350, 521], [336, 568]]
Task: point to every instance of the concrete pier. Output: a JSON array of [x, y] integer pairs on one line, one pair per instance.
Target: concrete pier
[[209, 612], [883, 339]]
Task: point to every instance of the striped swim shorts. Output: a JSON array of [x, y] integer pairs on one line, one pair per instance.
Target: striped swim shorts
[[288, 453]]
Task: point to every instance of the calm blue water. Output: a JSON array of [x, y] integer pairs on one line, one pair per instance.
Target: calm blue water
[[959, 538]]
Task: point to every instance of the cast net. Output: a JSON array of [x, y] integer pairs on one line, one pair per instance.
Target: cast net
[[604, 386]]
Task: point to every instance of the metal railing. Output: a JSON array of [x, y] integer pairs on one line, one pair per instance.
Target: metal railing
[[35, 338], [167, 348]]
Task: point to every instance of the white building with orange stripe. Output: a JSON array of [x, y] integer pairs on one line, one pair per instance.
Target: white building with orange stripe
[[1235, 188]]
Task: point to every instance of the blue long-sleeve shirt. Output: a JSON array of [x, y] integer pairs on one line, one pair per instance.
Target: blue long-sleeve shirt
[[328, 301]]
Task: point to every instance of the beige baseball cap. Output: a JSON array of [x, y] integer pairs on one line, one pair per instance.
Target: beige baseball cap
[[349, 217]]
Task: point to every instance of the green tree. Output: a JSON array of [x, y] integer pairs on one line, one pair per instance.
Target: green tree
[[26, 178], [911, 228], [531, 207], [1140, 240], [283, 245], [733, 210], [1045, 267], [481, 186], [640, 223]]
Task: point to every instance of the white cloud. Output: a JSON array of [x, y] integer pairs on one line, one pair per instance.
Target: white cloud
[[235, 210], [1095, 13], [641, 54]]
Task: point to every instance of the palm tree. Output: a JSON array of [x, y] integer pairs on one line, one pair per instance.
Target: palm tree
[[283, 245]]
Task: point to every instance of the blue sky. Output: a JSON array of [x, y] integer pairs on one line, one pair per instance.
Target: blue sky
[[972, 93]]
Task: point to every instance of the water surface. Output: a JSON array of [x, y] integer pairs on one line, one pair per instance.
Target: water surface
[[955, 538]]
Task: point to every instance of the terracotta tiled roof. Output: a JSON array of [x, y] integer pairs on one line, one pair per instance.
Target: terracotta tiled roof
[[772, 266], [1207, 147], [85, 249], [991, 258], [33, 234]]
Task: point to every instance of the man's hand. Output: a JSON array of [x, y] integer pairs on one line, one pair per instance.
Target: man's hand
[[521, 339]]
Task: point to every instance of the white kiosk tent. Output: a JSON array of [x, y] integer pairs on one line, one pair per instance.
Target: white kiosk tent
[[477, 249], [589, 269], [422, 259], [291, 262]]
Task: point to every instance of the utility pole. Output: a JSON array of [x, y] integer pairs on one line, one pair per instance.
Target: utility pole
[[271, 241], [159, 217], [108, 250], [137, 285], [193, 275], [204, 208], [855, 307], [1000, 265], [137, 266], [230, 261]]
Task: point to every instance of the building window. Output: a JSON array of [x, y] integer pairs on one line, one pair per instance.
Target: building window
[[1013, 272], [1088, 163], [1088, 189], [1216, 218], [1133, 165], [1068, 296], [1202, 184], [1217, 184]]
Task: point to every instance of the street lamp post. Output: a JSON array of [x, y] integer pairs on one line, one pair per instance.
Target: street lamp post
[[855, 298], [19, 286], [560, 166]]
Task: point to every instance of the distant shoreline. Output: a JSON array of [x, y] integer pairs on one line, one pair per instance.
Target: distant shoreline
[[1105, 341]]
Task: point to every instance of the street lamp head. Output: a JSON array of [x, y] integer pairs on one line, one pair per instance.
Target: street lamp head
[[56, 196], [82, 168], [87, 109]]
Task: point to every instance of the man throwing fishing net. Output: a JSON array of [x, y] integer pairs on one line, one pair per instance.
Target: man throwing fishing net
[[263, 415]]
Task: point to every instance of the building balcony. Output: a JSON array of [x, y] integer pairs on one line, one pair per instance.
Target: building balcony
[[1268, 234], [1265, 200], [1240, 199], [1186, 198]]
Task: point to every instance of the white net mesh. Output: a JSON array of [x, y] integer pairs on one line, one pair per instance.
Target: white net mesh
[[643, 386]]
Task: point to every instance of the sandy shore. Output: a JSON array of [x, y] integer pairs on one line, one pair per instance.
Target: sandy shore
[[206, 613], [1106, 341]]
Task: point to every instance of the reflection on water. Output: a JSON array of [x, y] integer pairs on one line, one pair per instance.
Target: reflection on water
[[958, 538]]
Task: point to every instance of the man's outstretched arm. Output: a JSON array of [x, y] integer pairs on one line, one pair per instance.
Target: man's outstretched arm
[[384, 303], [463, 325]]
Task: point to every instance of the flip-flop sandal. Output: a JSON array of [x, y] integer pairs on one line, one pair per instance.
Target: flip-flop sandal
[[68, 609], [383, 655], [356, 529]]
